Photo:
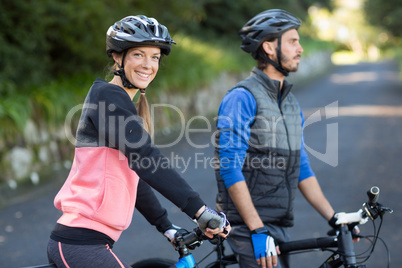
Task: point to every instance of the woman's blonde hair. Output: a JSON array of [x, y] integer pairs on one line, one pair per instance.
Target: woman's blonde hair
[[143, 111]]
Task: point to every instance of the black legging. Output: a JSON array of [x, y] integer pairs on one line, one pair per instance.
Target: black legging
[[85, 256]]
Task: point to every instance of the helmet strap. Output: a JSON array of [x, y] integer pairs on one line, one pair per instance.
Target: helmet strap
[[279, 56], [277, 65]]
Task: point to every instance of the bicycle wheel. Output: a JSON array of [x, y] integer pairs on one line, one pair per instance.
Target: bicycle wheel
[[153, 263]]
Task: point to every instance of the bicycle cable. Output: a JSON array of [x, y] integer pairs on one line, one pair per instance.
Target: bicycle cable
[[384, 244], [369, 250], [363, 255], [374, 242], [218, 246]]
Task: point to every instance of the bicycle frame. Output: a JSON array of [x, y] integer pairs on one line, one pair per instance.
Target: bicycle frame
[[185, 262]]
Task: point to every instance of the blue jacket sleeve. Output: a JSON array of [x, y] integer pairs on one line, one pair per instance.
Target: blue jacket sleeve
[[305, 169], [236, 114]]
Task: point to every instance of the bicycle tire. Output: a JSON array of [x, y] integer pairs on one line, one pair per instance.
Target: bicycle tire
[[226, 261], [154, 263], [51, 265]]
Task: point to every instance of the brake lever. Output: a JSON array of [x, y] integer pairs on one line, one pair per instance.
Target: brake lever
[[376, 210], [387, 209], [383, 209]]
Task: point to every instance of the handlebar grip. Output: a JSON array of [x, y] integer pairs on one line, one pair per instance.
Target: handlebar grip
[[213, 224], [373, 194], [313, 243]]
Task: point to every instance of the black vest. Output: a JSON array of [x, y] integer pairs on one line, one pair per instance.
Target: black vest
[[272, 164]]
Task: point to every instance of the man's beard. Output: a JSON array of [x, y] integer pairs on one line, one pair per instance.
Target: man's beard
[[285, 60]]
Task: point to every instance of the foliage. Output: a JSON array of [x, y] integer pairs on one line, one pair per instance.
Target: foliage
[[194, 62], [14, 113], [44, 39], [386, 14], [51, 49], [225, 18]]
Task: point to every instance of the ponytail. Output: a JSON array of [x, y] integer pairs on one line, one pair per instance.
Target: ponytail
[[143, 112]]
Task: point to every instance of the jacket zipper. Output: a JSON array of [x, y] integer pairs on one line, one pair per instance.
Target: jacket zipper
[[289, 152]]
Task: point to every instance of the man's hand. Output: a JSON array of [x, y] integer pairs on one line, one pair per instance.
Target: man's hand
[[352, 227], [265, 251]]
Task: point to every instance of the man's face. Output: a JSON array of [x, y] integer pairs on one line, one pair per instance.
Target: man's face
[[291, 50]]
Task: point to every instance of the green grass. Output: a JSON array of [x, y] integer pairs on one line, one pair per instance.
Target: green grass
[[46, 105]]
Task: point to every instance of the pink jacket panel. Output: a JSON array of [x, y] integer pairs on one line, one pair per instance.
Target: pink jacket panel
[[99, 193]]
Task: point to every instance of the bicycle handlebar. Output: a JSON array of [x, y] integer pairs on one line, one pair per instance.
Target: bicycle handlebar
[[213, 224], [372, 209], [354, 217], [191, 240], [187, 241], [373, 194], [314, 243]]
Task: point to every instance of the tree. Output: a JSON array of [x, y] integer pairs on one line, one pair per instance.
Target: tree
[[386, 14]]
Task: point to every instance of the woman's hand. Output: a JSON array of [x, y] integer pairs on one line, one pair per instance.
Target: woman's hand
[[211, 222]]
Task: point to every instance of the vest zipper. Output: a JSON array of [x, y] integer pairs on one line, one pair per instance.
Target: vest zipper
[[289, 155]]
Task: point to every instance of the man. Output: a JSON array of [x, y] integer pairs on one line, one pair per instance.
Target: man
[[260, 154]]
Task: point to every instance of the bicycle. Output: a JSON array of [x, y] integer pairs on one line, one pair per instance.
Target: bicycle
[[343, 253]]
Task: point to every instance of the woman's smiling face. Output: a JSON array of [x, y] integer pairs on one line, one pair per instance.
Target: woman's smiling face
[[141, 65]]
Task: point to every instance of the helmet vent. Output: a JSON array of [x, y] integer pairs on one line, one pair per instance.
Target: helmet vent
[[256, 34], [267, 25], [133, 31]]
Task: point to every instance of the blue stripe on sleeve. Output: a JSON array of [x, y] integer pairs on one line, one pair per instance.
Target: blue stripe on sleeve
[[236, 114], [305, 169]]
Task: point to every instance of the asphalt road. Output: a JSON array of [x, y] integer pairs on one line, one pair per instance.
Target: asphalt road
[[353, 135]]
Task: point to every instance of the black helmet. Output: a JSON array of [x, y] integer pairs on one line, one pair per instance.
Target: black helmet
[[134, 31], [269, 24]]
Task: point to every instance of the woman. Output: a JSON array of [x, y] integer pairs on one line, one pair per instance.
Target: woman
[[115, 162]]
